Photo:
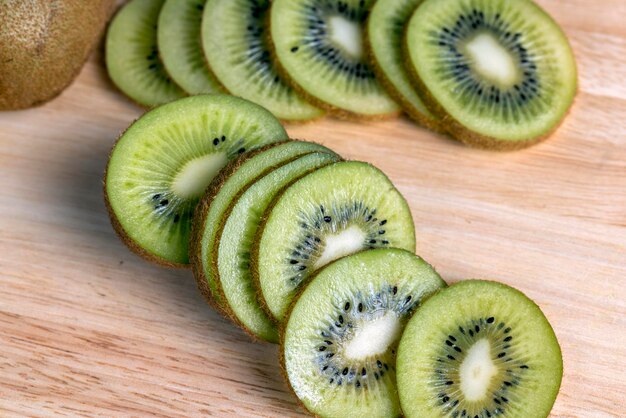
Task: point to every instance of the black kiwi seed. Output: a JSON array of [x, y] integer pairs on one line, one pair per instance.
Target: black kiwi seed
[[148, 85], [243, 62], [458, 343], [324, 221], [392, 299]]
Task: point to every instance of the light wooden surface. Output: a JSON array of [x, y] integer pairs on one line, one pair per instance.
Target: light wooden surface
[[86, 328]]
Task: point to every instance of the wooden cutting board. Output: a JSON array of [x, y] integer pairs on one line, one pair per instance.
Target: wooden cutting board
[[86, 328]]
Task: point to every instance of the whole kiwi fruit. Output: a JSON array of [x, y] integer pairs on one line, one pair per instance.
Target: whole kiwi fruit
[[43, 46]]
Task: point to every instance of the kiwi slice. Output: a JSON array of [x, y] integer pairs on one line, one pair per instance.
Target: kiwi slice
[[160, 167], [132, 56], [233, 278], [335, 211], [384, 38], [500, 73], [178, 37], [236, 47], [215, 206], [319, 46], [339, 341], [479, 349]]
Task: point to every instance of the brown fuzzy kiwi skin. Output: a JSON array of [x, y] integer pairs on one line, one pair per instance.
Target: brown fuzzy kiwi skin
[[199, 221], [227, 310], [53, 42], [119, 230], [418, 117], [337, 112], [457, 130]]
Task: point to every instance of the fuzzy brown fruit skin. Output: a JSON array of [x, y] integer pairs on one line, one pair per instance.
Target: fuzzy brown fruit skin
[[457, 130], [43, 46]]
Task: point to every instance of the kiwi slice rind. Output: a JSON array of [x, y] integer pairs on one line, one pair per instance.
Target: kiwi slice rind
[[160, 166], [384, 35], [337, 210], [317, 46], [218, 200], [478, 348], [236, 48], [338, 343], [132, 56], [500, 74], [233, 279], [180, 46]]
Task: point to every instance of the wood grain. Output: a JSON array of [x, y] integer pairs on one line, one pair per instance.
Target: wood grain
[[88, 329]]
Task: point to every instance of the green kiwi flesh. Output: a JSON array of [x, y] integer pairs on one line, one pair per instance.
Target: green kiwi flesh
[[385, 35], [218, 200], [132, 56], [339, 342], [160, 167], [235, 242], [478, 349], [236, 48], [335, 211], [178, 37], [500, 73], [318, 44]]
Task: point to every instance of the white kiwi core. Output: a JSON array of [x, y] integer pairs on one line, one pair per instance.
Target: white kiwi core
[[194, 177], [344, 243], [477, 371], [373, 337], [347, 35], [492, 60]]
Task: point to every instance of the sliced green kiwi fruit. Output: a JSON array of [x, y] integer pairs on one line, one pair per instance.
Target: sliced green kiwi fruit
[[318, 44], [215, 206], [339, 342], [233, 279], [178, 37], [384, 38], [160, 167], [478, 349], [335, 211], [500, 73], [132, 55], [236, 48]]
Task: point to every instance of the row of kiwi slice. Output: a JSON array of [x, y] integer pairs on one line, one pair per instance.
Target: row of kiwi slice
[[298, 246], [379, 334], [159, 50], [212, 180], [492, 73], [495, 74]]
